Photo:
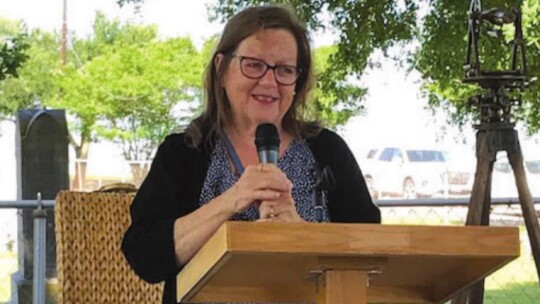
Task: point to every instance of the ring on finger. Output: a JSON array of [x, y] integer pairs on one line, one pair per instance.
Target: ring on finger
[[272, 213]]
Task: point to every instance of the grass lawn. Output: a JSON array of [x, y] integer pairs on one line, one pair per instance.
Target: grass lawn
[[8, 265], [515, 283], [513, 293]]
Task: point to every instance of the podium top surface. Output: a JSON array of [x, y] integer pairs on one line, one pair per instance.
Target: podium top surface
[[266, 262]]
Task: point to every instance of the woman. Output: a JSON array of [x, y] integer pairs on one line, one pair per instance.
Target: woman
[[261, 72]]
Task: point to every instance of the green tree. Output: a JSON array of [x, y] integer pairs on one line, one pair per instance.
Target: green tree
[[122, 83], [33, 81], [133, 88], [13, 46], [336, 98]]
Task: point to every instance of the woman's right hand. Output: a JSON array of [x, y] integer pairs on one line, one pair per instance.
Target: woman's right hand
[[258, 183]]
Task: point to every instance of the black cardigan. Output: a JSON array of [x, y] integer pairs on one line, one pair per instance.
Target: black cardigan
[[172, 189]]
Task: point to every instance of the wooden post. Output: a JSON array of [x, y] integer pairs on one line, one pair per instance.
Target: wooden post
[[343, 287], [488, 143], [527, 205]]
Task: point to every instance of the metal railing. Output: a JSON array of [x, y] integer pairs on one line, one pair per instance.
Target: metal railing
[[40, 241], [435, 202]]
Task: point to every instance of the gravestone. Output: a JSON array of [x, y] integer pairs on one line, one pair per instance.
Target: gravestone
[[42, 167]]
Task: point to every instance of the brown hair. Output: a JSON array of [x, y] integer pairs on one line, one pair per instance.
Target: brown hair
[[217, 113]]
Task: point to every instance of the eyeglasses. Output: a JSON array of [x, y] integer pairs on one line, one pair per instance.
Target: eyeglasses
[[254, 68]]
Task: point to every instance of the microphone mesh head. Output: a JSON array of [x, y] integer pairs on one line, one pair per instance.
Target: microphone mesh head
[[266, 137]]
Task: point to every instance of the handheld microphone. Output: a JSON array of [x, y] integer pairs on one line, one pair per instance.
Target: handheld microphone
[[267, 142]]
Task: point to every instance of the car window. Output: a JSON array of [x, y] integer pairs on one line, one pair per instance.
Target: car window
[[501, 163], [533, 166], [371, 153], [387, 154], [425, 156], [503, 167], [397, 155]]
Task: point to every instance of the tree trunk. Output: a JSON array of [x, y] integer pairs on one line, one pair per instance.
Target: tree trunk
[[139, 171], [81, 157]]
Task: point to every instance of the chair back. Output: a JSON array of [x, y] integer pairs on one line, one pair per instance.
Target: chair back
[[89, 227]]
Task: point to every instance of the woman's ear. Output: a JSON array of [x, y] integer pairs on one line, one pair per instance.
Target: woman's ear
[[217, 60]]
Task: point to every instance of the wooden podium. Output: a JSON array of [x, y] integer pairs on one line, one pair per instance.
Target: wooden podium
[[343, 263]]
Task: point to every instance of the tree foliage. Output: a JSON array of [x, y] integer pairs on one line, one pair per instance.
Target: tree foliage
[[437, 27], [121, 3], [122, 83], [33, 81], [335, 100], [442, 54], [130, 85], [13, 48]]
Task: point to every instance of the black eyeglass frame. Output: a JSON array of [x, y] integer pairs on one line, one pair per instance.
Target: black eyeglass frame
[[268, 67]]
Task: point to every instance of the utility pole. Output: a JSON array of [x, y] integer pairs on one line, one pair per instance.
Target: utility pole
[[64, 35]]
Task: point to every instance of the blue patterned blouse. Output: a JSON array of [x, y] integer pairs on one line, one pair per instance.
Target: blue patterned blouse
[[297, 163]]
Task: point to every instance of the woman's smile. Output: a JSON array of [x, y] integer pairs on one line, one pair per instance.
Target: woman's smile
[[264, 99]]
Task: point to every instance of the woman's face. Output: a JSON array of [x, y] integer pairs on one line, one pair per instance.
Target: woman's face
[[263, 100]]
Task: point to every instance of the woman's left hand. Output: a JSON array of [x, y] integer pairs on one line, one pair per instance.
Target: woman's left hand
[[282, 209]]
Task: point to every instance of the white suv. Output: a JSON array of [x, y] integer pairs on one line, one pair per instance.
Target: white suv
[[503, 180], [408, 173]]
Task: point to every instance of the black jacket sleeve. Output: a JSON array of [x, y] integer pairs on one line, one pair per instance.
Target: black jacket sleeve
[[350, 201], [170, 190]]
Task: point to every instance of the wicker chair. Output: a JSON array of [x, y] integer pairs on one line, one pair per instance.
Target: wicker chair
[[91, 267]]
